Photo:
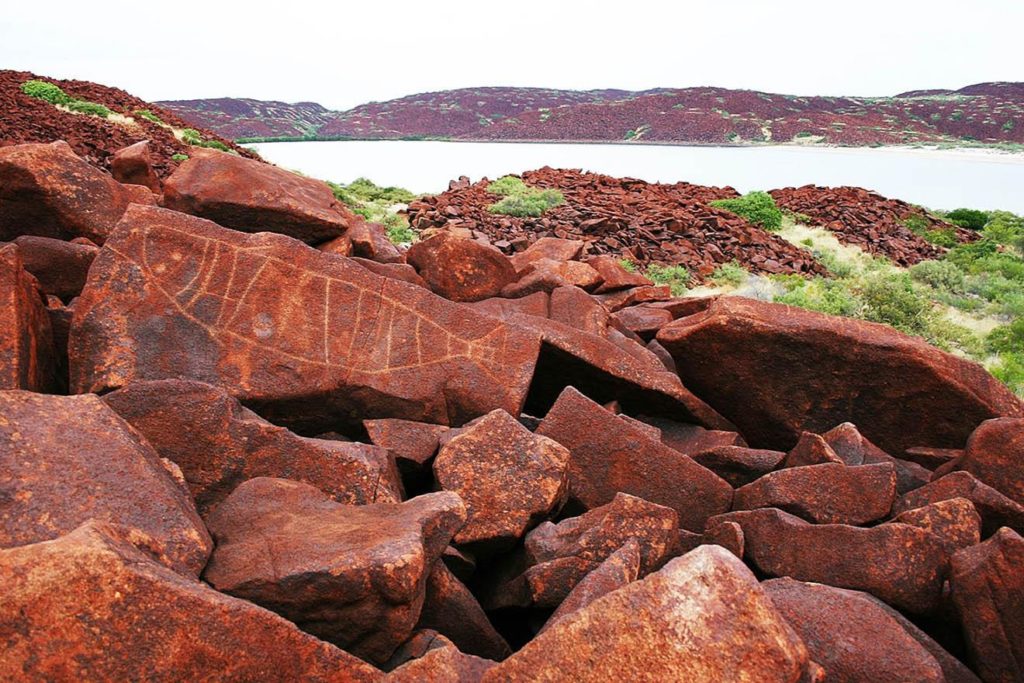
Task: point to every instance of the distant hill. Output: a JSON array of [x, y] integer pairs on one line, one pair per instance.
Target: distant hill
[[987, 113]]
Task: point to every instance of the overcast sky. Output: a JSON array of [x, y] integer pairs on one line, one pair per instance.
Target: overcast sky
[[342, 54]]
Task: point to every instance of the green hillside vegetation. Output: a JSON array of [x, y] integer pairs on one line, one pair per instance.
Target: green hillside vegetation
[[520, 200], [378, 204], [48, 92]]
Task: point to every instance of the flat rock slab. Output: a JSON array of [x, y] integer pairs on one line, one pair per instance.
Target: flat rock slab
[[792, 370], [739, 465], [703, 617], [461, 269], [218, 444], [995, 455], [831, 493], [353, 575], [610, 455], [252, 196], [60, 267], [451, 610], [26, 338], [304, 337], [901, 564], [93, 605], [955, 521], [996, 510], [67, 459], [412, 443], [509, 478]]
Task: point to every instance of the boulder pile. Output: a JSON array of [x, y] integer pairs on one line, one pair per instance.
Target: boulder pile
[[870, 221], [243, 438], [624, 218]]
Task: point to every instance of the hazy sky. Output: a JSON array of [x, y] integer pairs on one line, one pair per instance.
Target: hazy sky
[[342, 54]]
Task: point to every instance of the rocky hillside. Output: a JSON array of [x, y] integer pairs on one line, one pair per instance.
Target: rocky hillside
[[97, 136], [985, 113], [245, 437]]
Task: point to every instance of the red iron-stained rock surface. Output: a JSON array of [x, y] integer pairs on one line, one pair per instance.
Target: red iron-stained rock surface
[[26, 338]]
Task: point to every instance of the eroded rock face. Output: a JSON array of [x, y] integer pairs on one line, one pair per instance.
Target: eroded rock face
[[251, 196], [851, 635], [460, 269], [441, 662], [308, 339], [509, 478], [996, 510], [412, 443], [352, 575], [995, 455], [701, 618], [93, 605], [133, 165], [48, 190], [451, 610], [26, 338], [792, 370], [610, 455], [955, 521], [739, 465], [67, 459], [218, 444], [854, 448], [60, 267], [988, 591], [901, 564]]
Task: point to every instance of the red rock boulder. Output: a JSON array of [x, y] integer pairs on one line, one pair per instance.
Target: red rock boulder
[[252, 196], [792, 370], [451, 610], [354, 575], [996, 510], [67, 459], [61, 267], [995, 455], [27, 358], [132, 165], [955, 521], [461, 269]]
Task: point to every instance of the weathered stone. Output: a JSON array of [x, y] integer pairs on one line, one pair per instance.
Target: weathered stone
[[252, 196], [509, 479], [93, 605], [556, 557], [955, 521], [988, 591], [307, 339], [548, 248], [610, 456], [643, 320], [354, 575], [67, 459], [901, 564], [663, 355], [995, 455], [932, 458], [132, 165], [620, 569], [728, 535], [461, 270], [370, 241], [792, 370], [854, 448], [851, 634], [574, 307], [614, 277], [811, 449], [738, 465], [546, 275], [636, 295], [218, 444], [690, 439], [701, 618], [60, 267], [535, 304], [441, 662], [996, 510], [47, 190], [451, 610], [832, 493], [412, 444], [26, 338], [396, 271]]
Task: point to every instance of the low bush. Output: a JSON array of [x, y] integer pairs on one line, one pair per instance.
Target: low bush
[[1009, 369], [757, 207], [367, 190], [92, 108], [676, 277], [820, 294], [627, 265], [971, 219], [944, 276], [191, 136], [179, 157], [398, 229], [731, 274], [532, 205], [508, 185], [1007, 338], [149, 116], [48, 92]]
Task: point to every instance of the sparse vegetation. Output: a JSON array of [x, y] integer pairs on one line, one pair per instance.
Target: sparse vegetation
[[676, 277], [729, 274], [149, 116], [179, 157], [521, 200], [757, 207], [48, 92], [627, 265], [375, 203]]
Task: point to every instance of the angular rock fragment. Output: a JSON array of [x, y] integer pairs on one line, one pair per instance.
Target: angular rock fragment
[[67, 459], [620, 569], [832, 493], [574, 307], [614, 277], [955, 521], [792, 370], [354, 575], [548, 248], [442, 662], [47, 190], [631, 297], [643, 320], [728, 535], [811, 449], [252, 196], [461, 270], [610, 456], [133, 165], [93, 605], [898, 563], [690, 439], [26, 338], [396, 271], [995, 455], [556, 557], [60, 267], [451, 610], [509, 478], [932, 458], [218, 444], [988, 591], [854, 448], [412, 443], [996, 510], [701, 618], [370, 241], [546, 275], [851, 634], [739, 465]]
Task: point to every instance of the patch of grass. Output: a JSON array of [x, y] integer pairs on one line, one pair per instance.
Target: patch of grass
[[920, 226], [676, 277], [757, 207], [82, 107], [1009, 369], [729, 274], [149, 116], [179, 157], [398, 229], [48, 92], [374, 203], [627, 265], [820, 294], [521, 200], [191, 136], [508, 185]]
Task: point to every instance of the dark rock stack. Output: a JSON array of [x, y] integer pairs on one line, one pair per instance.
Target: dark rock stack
[[226, 454]]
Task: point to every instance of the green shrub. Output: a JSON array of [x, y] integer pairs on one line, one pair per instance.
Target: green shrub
[[149, 116], [48, 92], [508, 185], [1006, 229], [917, 224], [89, 108], [676, 277], [820, 294], [627, 265], [944, 276], [179, 157], [367, 190], [1007, 338], [215, 144], [532, 205], [398, 229], [892, 299], [757, 207], [363, 211], [836, 266], [191, 136], [732, 274], [971, 219], [1009, 369]]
